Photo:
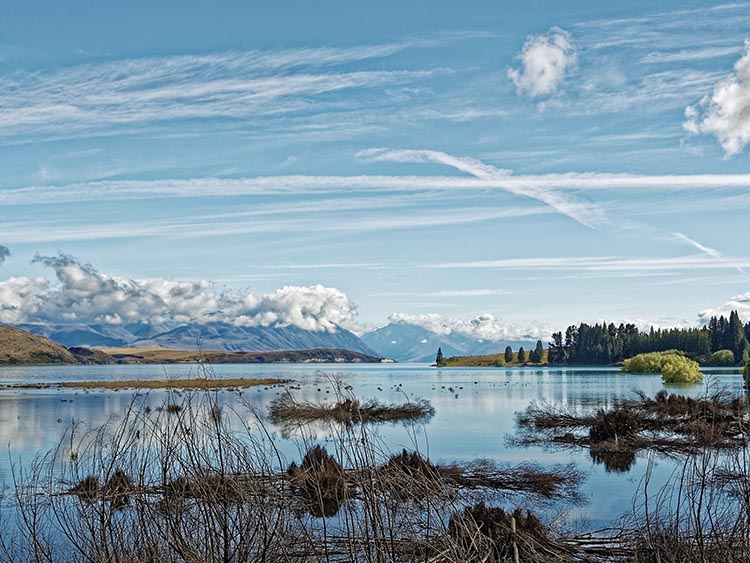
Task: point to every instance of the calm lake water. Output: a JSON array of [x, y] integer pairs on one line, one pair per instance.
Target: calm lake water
[[474, 411]]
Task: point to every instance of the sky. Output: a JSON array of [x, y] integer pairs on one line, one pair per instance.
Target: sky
[[528, 164]]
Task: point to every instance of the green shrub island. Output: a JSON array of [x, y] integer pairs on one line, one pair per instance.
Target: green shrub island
[[673, 366]]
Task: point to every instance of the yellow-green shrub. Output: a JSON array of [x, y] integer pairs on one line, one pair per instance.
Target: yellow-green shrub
[[673, 366], [650, 362], [679, 369]]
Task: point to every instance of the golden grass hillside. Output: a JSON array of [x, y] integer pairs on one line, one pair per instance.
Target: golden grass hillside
[[18, 347]]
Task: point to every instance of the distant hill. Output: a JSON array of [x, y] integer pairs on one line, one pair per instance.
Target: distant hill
[[162, 356], [18, 347], [406, 342], [209, 336]]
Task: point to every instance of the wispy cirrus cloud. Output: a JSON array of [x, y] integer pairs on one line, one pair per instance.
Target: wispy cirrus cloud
[[95, 96], [610, 264], [483, 177]]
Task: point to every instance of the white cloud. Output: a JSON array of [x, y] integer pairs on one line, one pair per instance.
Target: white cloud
[[482, 327], [545, 61], [579, 210], [695, 244], [739, 303], [112, 190], [83, 295], [726, 113]]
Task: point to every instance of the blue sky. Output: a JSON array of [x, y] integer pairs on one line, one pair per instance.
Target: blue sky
[[541, 162]]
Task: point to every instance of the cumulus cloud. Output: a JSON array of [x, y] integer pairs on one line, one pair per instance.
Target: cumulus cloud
[[482, 327], [80, 294], [726, 113], [739, 303], [545, 61], [4, 253]]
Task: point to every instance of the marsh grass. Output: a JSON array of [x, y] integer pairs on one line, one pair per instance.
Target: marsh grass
[[286, 410], [201, 485], [667, 423]]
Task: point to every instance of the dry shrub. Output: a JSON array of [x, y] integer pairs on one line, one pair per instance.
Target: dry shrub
[[496, 525], [118, 488], [613, 425], [87, 489], [319, 482]]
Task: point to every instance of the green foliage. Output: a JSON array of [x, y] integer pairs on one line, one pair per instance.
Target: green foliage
[[536, 355], [673, 366], [500, 362], [603, 344], [679, 369], [721, 358], [746, 374], [651, 362]]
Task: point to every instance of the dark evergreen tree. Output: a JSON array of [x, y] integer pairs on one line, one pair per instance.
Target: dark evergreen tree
[[521, 355], [439, 358], [735, 335], [508, 355], [556, 350], [537, 353]]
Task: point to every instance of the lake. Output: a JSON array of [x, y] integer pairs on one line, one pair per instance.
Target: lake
[[474, 411]]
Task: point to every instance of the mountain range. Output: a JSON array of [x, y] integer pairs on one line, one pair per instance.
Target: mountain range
[[401, 341], [210, 336], [405, 342]]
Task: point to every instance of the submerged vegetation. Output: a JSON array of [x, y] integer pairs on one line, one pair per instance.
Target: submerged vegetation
[[193, 486], [668, 423], [206, 483], [288, 411]]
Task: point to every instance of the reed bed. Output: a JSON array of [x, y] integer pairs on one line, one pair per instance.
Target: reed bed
[[199, 485]]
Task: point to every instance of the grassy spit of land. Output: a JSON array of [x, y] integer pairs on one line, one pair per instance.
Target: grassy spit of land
[[490, 361], [194, 383], [165, 356]]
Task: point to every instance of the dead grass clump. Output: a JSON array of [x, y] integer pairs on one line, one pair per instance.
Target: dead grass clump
[[408, 475], [413, 465], [118, 488], [286, 410], [319, 482], [214, 488], [613, 425], [501, 531], [558, 483], [87, 489], [616, 456]]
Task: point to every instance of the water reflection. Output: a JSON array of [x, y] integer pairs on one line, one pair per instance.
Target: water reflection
[[474, 411]]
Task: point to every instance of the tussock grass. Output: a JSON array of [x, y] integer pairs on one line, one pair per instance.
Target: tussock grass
[[667, 423], [286, 410]]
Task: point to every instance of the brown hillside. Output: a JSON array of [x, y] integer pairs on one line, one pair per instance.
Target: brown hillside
[[18, 347]]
